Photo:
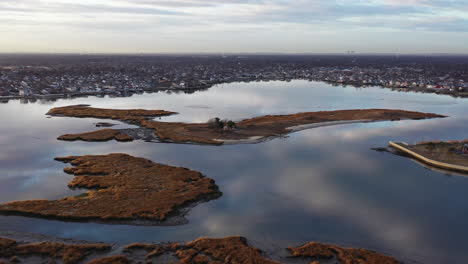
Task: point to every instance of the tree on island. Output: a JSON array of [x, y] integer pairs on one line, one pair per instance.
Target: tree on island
[[217, 123]]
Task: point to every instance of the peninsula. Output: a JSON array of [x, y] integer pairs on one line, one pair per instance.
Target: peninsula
[[122, 188], [246, 131], [451, 155]]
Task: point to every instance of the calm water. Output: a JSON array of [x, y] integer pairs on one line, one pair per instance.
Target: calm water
[[323, 184]]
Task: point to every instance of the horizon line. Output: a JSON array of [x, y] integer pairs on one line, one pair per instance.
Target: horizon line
[[235, 53]]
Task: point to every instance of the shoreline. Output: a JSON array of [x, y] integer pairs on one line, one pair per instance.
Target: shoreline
[[439, 170], [405, 148], [23, 247], [331, 123], [195, 89], [293, 129]]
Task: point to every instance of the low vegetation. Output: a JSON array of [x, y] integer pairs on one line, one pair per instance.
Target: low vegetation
[[121, 187]]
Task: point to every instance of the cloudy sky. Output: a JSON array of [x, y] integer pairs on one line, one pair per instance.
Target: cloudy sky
[[286, 26]]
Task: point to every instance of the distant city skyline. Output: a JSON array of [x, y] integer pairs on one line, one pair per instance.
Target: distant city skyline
[[237, 26]]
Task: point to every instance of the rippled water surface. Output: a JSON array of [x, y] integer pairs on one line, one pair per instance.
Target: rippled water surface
[[323, 184]]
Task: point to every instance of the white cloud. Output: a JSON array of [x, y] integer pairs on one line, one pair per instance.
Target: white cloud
[[194, 25]]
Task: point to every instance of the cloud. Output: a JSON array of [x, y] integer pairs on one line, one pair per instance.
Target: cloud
[[318, 12], [79, 8], [220, 21]]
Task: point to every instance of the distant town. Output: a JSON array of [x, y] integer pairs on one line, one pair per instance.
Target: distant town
[[59, 76]]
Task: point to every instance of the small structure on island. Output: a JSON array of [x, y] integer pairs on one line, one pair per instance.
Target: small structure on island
[[465, 149]]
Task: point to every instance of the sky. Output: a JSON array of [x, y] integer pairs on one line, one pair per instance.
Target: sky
[[236, 26]]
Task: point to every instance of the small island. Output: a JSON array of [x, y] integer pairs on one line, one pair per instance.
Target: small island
[[125, 115], [98, 135], [219, 132], [343, 255], [122, 188], [13, 251], [451, 155], [229, 250]]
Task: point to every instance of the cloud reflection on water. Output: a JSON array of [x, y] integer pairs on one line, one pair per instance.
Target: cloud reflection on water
[[319, 184]]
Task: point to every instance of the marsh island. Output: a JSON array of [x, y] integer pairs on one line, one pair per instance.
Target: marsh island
[[246, 131], [122, 188]]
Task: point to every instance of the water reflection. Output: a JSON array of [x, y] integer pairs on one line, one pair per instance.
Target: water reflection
[[321, 184]]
